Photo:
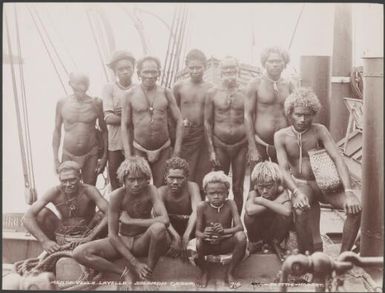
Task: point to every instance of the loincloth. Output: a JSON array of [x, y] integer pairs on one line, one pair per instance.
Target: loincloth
[[129, 240], [152, 155], [231, 149], [268, 147], [81, 160], [193, 138]]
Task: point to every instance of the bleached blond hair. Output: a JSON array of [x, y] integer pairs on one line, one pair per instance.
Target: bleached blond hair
[[216, 177], [302, 97], [267, 171], [137, 166]]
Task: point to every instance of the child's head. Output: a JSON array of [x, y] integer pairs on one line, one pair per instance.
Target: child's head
[[216, 185], [267, 179]]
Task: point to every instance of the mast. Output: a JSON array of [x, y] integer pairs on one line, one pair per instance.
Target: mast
[[341, 69]]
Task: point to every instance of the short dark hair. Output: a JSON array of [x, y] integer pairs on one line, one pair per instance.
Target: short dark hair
[[177, 163], [69, 165], [196, 54], [139, 65]]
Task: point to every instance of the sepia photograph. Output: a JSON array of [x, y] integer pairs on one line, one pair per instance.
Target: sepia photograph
[[193, 146]]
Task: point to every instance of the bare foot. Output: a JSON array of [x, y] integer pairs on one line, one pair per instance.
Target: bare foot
[[232, 282], [203, 280]]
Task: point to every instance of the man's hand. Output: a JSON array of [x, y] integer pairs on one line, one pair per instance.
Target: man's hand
[[184, 243], [352, 204], [218, 228], [50, 246], [175, 247], [124, 218], [101, 165], [57, 164], [142, 270], [300, 200], [254, 158], [214, 161]]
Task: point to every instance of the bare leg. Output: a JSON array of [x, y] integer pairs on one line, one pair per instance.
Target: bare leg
[[204, 277], [239, 169], [98, 255], [239, 240], [224, 159], [203, 167], [115, 158], [351, 224], [48, 222], [89, 170], [158, 167]]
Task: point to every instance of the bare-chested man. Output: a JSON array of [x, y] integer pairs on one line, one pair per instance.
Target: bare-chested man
[[122, 63], [219, 228], [78, 113], [75, 203], [264, 113], [292, 144], [144, 119], [181, 198], [190, 98], [225, 128], [138, 234]]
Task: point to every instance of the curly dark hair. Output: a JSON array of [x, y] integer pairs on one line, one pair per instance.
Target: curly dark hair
[[139, 65], [196, 54], [177, 163]]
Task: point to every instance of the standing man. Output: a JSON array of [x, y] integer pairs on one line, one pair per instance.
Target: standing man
[[79, 113], [225, 129], [264, 113], [190, 98], [75, 203], [181, 198], [122, 63], [292, 144], [138, 234], [144, 120]]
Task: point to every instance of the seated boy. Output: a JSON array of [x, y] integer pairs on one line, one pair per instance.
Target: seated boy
[[219, 229], [181, 198], [268, 207]]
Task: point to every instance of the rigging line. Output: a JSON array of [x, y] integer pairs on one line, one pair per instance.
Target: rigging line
[[187, 32], [50, 41], [18, 120], [172, 52], [97, 45], [24, 105], [181, 42], [296, 25], [173, 49], [46, 48], [177, 47], [168, 49], [61, 40]]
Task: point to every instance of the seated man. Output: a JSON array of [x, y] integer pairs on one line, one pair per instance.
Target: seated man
[[219, 229], [293, 144], [139, 234], [181, 198], [75, 202], [268, 207]]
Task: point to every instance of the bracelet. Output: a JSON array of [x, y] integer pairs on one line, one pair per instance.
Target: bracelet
[[349, 190]]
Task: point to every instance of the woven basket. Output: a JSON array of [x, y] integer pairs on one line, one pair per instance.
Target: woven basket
[[325, 171]]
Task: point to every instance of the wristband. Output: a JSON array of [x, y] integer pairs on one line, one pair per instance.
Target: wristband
[[349, 190]]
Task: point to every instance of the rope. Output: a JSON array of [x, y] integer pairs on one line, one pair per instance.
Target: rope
[[181, 41], [97, 45], [50, 41], [46, 48], [25, 112], [20, 130], [296, 26]]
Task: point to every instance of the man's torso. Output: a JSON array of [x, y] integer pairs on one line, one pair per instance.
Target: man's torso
[[224, 216], [229, 115]]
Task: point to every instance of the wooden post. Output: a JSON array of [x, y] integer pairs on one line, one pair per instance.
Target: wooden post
[[315, 73], [372, 223], [341, 69]]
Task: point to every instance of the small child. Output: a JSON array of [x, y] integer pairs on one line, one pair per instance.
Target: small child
[[219, 229], [268, 208]]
